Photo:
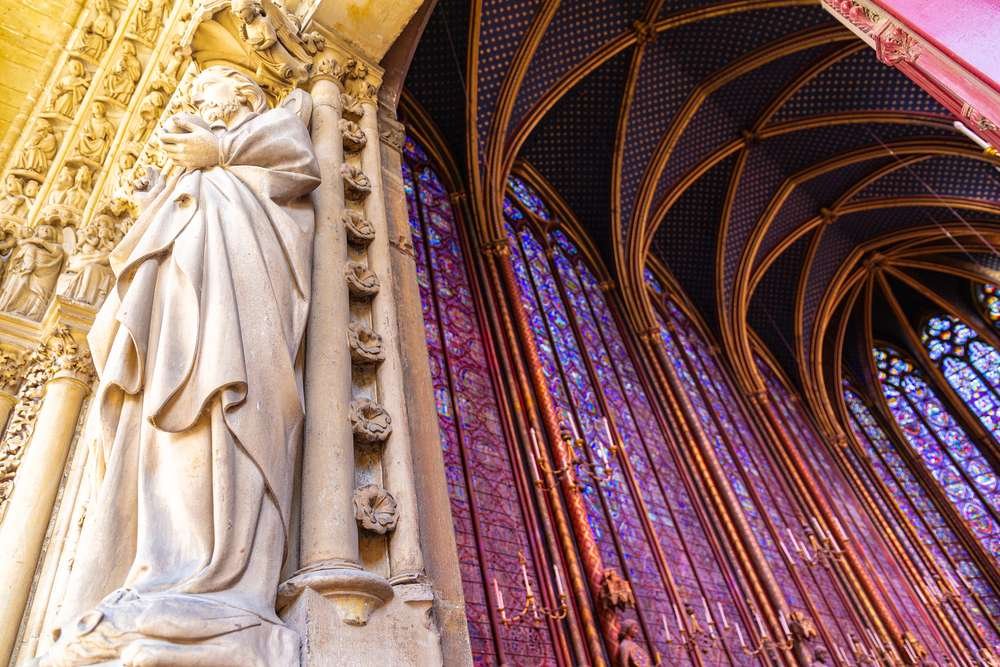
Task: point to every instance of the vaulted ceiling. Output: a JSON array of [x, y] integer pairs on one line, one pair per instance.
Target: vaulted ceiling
[[755, 147]]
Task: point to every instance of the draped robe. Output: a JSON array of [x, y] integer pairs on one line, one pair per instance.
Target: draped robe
[[196, 421]]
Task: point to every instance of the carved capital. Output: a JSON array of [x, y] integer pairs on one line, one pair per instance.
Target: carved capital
[[13, 365], [327, 66], [69, 359], [375, 509], [360, 81]]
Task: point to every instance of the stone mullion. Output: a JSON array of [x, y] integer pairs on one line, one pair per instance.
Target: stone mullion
[[768, 594]]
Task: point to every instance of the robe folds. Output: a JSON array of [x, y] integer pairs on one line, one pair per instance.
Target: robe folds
[[195, 426]]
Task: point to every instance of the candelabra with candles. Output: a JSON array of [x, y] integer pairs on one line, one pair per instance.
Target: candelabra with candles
[[575, 465], [819, 547], [764, 643], [531, 610], [691, 634]]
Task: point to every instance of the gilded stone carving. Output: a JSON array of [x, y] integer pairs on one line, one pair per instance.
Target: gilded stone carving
[[360, 232], [354, 137], [34, 159], [370, 422], [13, 364], [357, 186], [32, 273], [375, 509], [351, 107], [97, 135], [88, 276], [69, 90], [120, 81], [97, 32], [358, 82], [22, 420], [274, 34], [362, 282], [366, 345], [210, 304], [147, 20], [17, 198]]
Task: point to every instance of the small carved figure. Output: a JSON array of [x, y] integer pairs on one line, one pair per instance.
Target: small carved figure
[[148, 18], [15, 202], [351, 107], [820, 656], [60, 189], [78, 194], [375, 509], [39, 150], [359, 230], [149, 112], [97, 135], [616, 593], [124, 75], [32, 273], [366, 345], [69, 89], [274, 35], [630, 652], [88, 276], [97, 33]]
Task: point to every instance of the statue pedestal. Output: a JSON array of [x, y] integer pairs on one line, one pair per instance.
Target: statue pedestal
[[400, 633]]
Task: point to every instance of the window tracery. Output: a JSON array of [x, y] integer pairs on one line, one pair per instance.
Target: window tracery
[[490, 524], [944, 449]]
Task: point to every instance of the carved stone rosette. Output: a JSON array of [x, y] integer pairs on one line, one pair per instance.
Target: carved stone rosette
[[371, 424], [366, 345], [375, 509], [362, 282]]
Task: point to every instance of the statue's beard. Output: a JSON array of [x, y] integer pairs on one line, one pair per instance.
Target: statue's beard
[[220, 114]]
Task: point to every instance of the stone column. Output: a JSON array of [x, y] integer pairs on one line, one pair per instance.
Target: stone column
[[328, 556], [26, 519], [405, 559]]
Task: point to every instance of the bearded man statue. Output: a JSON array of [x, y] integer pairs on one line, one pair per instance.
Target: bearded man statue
[[196, 423]]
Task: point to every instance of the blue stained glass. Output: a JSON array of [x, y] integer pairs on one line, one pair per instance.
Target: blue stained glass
[[949, 455], [527, 196], [989, 299]]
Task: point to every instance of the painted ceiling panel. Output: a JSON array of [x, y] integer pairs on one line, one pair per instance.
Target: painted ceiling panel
[[944, 175]]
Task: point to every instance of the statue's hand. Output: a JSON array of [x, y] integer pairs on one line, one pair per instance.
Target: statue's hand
[[194, 147]]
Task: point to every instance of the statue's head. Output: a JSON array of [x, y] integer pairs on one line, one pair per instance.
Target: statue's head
[[12, 184], [83, 176], [31, 188], [222, 95], [630, 629]]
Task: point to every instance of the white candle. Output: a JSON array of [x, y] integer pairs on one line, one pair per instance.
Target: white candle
[[559, 583], [677, 615], [498, 594], [534, 442], [739, 633], [708, 615], [975, 138], [572, 423], [784, 550], [791, 536], [722, 615], [760, 624], [666, 629], [784, 624], [607, 431]]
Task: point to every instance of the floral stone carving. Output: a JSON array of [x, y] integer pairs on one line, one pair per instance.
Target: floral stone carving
[[353, 136], [375, 509], [357, 186], [359, 230], [366, 345], [362, 282], [370, 422]]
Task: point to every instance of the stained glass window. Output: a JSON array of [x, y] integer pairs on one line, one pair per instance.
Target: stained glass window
[[900, 496], [646, 516], [989, 297], [947, 452], [755, 479], [528, 197], [491, 526], [971, 367]]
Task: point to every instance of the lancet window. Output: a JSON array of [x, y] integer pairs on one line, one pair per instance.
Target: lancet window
[[646, 514], [491, 525], [988, 295], [766, 495], [943, 447], [916, 523]]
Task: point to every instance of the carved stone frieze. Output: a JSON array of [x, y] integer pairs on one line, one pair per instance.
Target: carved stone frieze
[[88, 276], [358, 82], [357, 185], [32, 272], [375, 509], [147, 20], [370, 422], [615, 593], [360, 232], [362, 282], [16, 198], [119, 83], [36, 155], [366, 345], [97, 135], [13, 364], [354, 138], [95, 35]]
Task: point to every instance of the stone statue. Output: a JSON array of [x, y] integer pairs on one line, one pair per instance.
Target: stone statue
[[122, 78], [88, 277], [32, 273], [15, 202], [39, 150], [97, 33], [274, 34], [149, 112], [630, 652], [69, 90], [78, 194], [148, 18], [198, 414], [60, 189], [97, 135]]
